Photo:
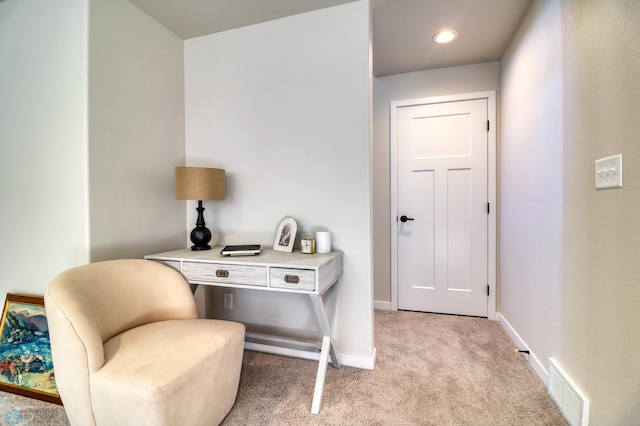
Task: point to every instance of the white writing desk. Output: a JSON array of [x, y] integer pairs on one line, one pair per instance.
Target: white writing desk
[[315, 275]]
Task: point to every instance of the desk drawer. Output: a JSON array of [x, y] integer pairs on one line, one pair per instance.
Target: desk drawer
[[171, 263], [299, 279], [225, 273]]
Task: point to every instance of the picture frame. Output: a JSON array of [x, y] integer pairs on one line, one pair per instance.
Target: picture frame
[[26, 367], [286, 235]]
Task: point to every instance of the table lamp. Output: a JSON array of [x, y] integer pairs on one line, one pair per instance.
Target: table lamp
[[200, 183]]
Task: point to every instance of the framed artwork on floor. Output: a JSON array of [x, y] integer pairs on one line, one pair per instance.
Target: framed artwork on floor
[[26, 367]]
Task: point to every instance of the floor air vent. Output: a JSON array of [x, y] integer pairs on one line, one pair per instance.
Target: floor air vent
[[573, 404]]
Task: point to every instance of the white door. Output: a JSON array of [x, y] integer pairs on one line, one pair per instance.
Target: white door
[[442, 207]]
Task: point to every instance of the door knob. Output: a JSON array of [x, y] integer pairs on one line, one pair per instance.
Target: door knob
[[403, 218]]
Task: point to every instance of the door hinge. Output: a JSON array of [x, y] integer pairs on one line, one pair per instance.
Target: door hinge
[[488, 208], [488, 290], [488, 125]]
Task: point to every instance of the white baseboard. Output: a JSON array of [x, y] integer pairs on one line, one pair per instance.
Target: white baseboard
[[382, 305], [367, 363], [533, 360]]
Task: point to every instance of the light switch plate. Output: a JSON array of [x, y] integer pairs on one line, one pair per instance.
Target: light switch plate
[[609, 172]]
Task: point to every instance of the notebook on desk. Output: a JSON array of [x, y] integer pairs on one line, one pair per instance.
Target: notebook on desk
[[241, 250]]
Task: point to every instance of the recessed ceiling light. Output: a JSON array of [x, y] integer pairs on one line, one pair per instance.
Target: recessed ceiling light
[[446, 36]]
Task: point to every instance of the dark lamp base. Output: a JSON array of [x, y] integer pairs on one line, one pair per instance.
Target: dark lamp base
[[200, 235]]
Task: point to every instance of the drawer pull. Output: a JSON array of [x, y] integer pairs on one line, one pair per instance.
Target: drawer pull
[[292, 279], [222, 273]]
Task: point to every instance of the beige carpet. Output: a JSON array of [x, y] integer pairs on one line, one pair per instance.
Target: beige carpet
[[431, 370]]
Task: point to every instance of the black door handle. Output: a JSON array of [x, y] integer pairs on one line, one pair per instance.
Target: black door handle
[[403, 218]]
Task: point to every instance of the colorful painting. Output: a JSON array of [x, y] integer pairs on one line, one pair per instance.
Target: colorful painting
[[26, 367]]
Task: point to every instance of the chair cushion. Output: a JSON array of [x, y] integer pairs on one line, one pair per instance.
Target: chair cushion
[[169, 372]]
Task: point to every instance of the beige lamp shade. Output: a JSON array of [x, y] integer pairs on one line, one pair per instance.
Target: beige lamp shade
[[200, 183]]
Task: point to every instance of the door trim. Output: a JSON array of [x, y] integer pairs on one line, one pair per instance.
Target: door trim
[[492, 169]]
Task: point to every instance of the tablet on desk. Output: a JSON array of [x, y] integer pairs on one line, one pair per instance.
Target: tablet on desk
[[241, 250]]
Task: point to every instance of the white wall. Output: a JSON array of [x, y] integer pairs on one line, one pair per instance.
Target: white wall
[[439, 82], [284, 107], [133, 98], [569, 270], [136, 133], [532, 182], [43, 133]]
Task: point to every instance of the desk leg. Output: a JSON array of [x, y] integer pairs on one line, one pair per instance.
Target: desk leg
[[332, 297], [325, 321], [321, 376]]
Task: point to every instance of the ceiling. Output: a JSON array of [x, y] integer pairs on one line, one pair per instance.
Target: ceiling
[[402, 29]]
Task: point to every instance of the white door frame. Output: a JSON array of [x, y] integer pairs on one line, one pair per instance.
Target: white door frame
[[492, 169]]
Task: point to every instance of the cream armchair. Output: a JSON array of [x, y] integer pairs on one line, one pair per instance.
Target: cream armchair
[[128, 348]]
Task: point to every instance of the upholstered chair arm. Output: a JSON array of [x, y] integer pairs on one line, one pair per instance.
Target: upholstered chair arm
[[73, 353]]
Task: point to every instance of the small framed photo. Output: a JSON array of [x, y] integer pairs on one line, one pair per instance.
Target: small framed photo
[[26, 367], [286, 235]]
